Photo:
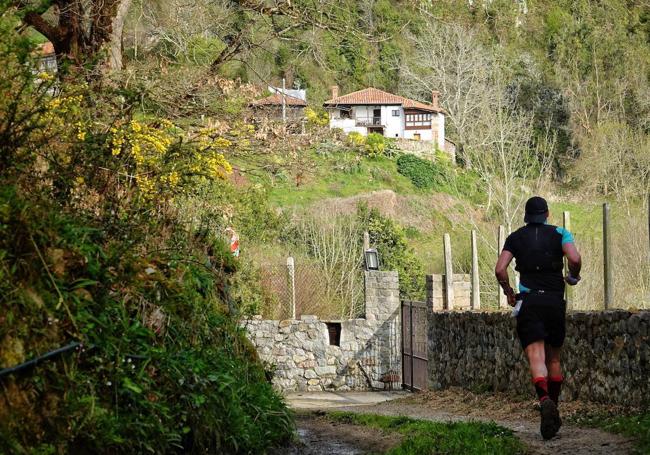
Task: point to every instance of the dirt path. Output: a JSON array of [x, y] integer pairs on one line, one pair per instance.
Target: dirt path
[[320, 436], [521, 417]]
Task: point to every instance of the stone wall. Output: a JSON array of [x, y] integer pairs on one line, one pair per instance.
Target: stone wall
[[369, 348], [462, 292], [606, 355]]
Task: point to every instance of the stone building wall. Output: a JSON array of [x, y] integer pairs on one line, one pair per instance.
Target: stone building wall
[[462, 292], [369, 348], [606, 355]]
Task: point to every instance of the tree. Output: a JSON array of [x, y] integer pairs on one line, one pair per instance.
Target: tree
[[452, 60], [510, 160], [82, 32]]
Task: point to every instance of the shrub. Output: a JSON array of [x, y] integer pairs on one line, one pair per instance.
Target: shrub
[[356, 139], [424, 174], [317, 119], [375, 145], [169, 370], [394, 251]]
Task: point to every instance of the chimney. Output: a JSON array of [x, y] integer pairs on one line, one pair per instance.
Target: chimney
[[435, 94], [335, 91]]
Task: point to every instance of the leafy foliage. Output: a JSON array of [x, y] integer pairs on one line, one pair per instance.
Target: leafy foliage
[[94, 248], [423, 173], [394, 251]]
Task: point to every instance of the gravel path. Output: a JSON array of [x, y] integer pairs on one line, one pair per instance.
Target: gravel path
[[521, 417]]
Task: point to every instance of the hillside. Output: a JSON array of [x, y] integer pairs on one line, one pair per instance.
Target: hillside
[[146, 207], [336, 182]]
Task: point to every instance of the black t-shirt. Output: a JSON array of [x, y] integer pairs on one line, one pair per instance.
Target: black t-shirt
[[537, 249]]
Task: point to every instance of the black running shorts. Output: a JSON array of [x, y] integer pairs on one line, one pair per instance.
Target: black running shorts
[[542, 317]]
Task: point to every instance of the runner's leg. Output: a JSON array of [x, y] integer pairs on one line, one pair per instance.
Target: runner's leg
[[554, 368], [536, 354]]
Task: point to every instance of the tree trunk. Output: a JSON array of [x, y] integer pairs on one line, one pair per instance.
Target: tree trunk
[[114, 61]]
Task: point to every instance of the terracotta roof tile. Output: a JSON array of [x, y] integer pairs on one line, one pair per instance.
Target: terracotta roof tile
[[276, 100], [375, 96]]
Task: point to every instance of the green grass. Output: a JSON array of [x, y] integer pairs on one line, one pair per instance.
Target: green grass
[[423, 437], [341, 176], [635, 426]]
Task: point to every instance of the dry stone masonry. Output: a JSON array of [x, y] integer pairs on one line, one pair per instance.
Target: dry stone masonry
[[606, 357], [305, 359], [462, 291]]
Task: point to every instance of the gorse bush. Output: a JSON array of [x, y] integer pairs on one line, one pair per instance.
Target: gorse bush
[[95, 249], [375, 144]]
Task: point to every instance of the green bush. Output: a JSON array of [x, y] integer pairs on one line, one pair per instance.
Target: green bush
[[375, 145], [394, 251], [356, 139], [424, 174], [166, 368]]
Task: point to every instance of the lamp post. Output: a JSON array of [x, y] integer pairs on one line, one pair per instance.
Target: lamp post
[[371, 259]]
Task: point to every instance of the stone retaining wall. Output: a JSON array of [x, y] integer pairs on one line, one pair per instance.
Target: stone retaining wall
[[369, 348], [606, 357]]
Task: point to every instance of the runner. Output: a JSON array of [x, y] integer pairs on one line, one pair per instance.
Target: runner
[[538, 249]]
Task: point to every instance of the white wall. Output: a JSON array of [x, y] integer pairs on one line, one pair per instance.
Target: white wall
[[393, 126], [348, 125], [438, 121], [425, 134]]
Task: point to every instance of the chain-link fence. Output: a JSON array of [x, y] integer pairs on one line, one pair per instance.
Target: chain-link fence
[[299, 286]]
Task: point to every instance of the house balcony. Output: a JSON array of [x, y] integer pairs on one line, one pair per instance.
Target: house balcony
[[368, 121]]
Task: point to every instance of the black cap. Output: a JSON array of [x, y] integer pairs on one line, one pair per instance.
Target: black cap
[[536, 208]]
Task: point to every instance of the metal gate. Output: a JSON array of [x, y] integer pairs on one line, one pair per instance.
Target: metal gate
[[414, 345]]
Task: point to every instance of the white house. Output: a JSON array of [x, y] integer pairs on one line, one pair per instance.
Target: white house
[[374, 111]]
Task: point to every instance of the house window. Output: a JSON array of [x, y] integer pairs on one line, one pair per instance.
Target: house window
[[417, 136], [334, 331], [395, 112], [346, 114], [418, 120]]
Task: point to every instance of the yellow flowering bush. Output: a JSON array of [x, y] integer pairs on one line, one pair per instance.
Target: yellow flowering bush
[[356, 139], [165, 159], [315, 118]]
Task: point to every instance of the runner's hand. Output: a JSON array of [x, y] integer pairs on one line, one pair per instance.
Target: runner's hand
[[571, 281], [511, 300]]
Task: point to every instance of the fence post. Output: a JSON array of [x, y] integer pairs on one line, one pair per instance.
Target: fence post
[[366, 241], [568, 291], [503, 300], [607, 257], [449, 274], [291, 271], [476, 293]]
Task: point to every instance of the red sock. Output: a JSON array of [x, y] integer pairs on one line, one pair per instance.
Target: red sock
[[554, 387], [541, 387]]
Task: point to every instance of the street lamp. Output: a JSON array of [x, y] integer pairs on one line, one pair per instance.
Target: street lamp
[[372, 259]]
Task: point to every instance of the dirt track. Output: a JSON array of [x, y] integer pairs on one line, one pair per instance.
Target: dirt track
[[521, 417]]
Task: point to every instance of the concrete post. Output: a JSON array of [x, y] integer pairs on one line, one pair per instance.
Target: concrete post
[[503, 300], [607, 258], [291, 274], [476, 292], [449, 274]]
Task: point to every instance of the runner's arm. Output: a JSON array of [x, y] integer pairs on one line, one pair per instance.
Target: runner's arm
[[574, 260], [501, 272]]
